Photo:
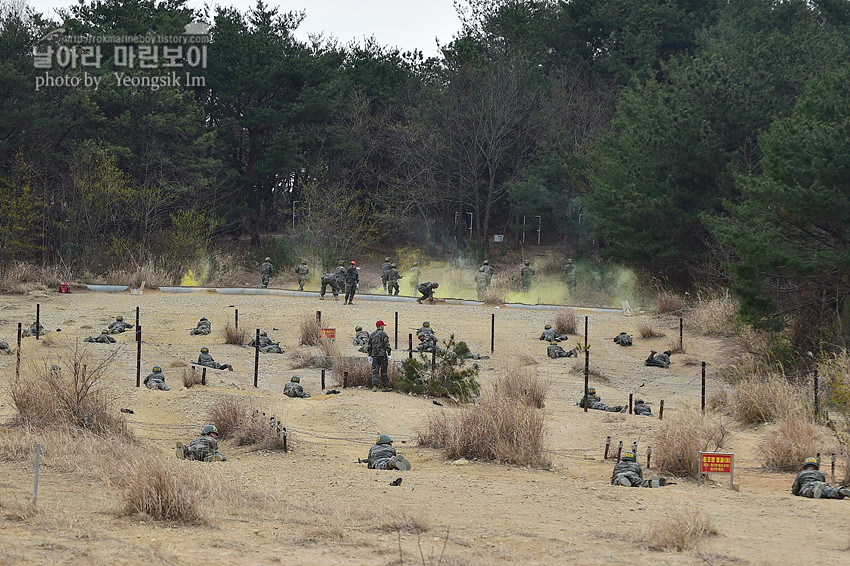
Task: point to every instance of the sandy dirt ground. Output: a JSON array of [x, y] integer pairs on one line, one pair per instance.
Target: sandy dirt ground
[[316, 505]]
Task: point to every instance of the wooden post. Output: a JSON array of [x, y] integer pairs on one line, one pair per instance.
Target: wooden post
[[18, 363], [138, 356], [817, 411], [319, 318], [323, 380], [634, 447], [256, 357], [630, 403], [586, 376], [396, 330], [285, 435], [137, 316], [648, 456], [661, 410], [204, 376], [833, 466], [236, 318], [492, 333], [607, 447], [344, 379], [35, 483], [703, 388], [409, 346], [619, 450], [37, 321]]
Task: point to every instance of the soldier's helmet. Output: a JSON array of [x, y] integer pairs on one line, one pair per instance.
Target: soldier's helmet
[[486, 262], [156, 369], [209, 429], [547, 327], [303, 262], [358, 328], [392, 265], [570, 260], [386, 258], [263, 333], [668, 352], [638, 401], [420, 335], [415, 263], [340, 262], [436, 284], [526, 262], [811, 461], [384, 439], [295, 379], [591, 391], [629, 457], [267, 259], [553, 342], [119, 318], [426, 324], [104, 331], [205, 350], [203, 318], [481, 269]]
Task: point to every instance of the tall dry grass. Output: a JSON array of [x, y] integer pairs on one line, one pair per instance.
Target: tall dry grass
[[240, 421], [565, 321], [765, 398], [359, 371], [233, 335], [498, 428], [192, 376], [668, 303], [681, 438], [646, 330], [518, 383], [792, 440], [18, 278], [714, 315], [309, 330], [682, 530], [163, 491], [329, 348]]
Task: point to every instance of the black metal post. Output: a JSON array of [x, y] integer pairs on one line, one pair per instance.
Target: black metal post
[[138, 356], [396, 330], [323, 380], [18, 352], [319, 318], [703, 387], [648, 456], [585, 332], [607, 447], [409, 346], [204, 376], [681, 335], [37, 321], [492, 332], [137, 316], [619, 450], [236, 318], [586, 376], [661, 410], [256, 357], [630, 403], [817, 412]]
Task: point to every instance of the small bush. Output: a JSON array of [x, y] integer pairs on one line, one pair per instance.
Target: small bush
[[309, 330], [762, 399], [192, 376], [668, 303], [646, 330], [163, 491], [233, 335], [498, 428], [795, 438], [683, 530], [227, 414], [450, 377], [714, 315], [241, 422], [565, 321], [682, 437], [328, 347], [360, 371], [519, 384], [493, 296], [300, 359], [525, 358]]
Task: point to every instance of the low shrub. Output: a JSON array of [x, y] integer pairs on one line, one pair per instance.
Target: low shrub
[[794, 438], [668, 303], [715, 315], [450, 377], [646, 330], [227, 414], [328, 347], [238, 420], [681, 438], [761, 399], [682, 530], [309, 330], [517, 383], [192, 376], [162, 491], [565, 321], [233, 335]]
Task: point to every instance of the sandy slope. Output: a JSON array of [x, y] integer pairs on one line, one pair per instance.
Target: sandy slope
[[316, 505]]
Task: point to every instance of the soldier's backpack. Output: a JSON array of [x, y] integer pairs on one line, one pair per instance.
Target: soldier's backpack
[[423, 287]]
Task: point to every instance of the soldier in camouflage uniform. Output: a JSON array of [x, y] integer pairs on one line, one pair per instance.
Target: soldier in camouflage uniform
[[266, 271], [551, 335], [378, 351], [119, 326], [352, 282], [204, 448], [658, 360], [104, 338], [570, 276], [205, 359], [526, 273], [204, 327], [427, 342], [382, 456], [329, 280], [31, 330], [595, 402], [488, 271], [810, 482], [339, 275], [554, 351], [427, 290], [481, 283], [413, 275], [294, 389], [623, 339], [301, 271], [361, 337], [392, 280], [4, 348], [267, 345], [642, 408], [426, 329], [385, 269], [628, 473], [156, 380]]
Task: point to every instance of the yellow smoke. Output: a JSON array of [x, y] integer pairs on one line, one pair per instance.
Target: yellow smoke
[[189, 280]]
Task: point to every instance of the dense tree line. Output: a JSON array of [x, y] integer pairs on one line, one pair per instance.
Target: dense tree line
[[688, 138]]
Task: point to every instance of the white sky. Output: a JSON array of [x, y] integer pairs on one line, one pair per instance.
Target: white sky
[[406, 24]]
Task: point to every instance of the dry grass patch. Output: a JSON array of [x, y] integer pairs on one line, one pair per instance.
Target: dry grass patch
[[300, 359], [233, 335], [646, 330], [329, 348], [309, 330], [403, 520], [525, 358], [497, 428], [683, 530], [592, 370], [668, 303], [794, 438], [716, 315], [565, 321], [359, 371], [682, 437], [240, 421], [163, 491], [518, 383], [494, 296], [613, 417], [762, 399], [192, 376]]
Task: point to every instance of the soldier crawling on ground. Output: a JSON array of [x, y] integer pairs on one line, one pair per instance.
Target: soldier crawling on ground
[[427, 290], [658, 360], [204, 327], [392, 280], [103, 338], [623, 339], [203, 448], [301, 271], [641, 408], [595, 402], [205, 359], [156, 380], [385, 270], [267, 345], [266, 271], [551, 335], [426, 329], [361, 337], [119, 326], [4, 348], [810, 482], [294, 389], [628, 473], [383, 456], [555, 351], [427, 343]]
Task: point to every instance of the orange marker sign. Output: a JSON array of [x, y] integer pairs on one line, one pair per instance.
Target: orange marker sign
[[329, 333], [717, 463]]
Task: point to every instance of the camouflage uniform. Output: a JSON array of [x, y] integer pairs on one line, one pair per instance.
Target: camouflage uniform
[[379, 350], [266, 272], [361, 338], [643, 410], [292, 389], [339, 275], [550, 335], [526, 274], [392, 281], [267, 345], [102, 338], [203, 448], [427, 330], [352, 280], [623, 339], [155, 380], [595, 402], [329, 279], [385, 270], [413, 275], [554, 351], [205, 359], [4, 348], [481, 283], [31, 330], [118, 326], [570, 276], [301, 270], [488, 272], [427, 342], [380, 457], [658, 360], [632, 472], [809, 479], [204, 327], [427, 290]]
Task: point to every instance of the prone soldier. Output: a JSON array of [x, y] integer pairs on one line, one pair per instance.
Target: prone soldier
[[294, 389], [555, 351], [595, 402], [103, 338], [623, 339], [628, 473], [658, 360], [203, 448], [156, 380], [551, 335], [204, 327], [383, 456], [810, 482], [118, 326], [205, 359]]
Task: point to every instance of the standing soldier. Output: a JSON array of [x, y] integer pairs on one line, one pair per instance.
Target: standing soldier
[[570, 276], [378, 351], [527, 273], [329, 279], [266, 271], [481, 282], [413, 276], [488, 271], [339, 275], [385, 269], [427, 290], [352, 282], [302, 271], [392, 280]]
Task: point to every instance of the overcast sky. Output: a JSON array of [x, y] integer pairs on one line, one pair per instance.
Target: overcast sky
[[406, 24]]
